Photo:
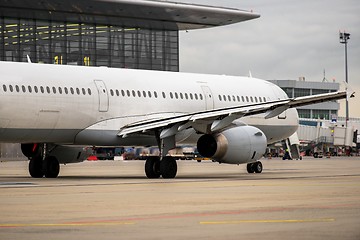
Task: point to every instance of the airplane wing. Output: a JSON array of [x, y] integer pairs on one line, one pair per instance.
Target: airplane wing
[[214, 120]]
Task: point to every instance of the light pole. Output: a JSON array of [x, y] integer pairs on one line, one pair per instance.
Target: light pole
[[344, 37]]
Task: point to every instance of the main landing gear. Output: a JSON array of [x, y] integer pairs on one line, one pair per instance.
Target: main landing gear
[[40, 164], [167, 167], [255, 167], [49, 167]]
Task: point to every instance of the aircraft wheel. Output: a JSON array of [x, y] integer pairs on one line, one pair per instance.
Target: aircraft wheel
[[168, 167], [258, 167], [51, 167], [152, 167], [36, 168], [250, 168]]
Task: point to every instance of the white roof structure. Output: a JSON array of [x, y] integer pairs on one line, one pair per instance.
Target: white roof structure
[[142, 13]]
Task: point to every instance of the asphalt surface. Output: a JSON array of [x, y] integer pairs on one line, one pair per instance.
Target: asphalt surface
[[308, 199]]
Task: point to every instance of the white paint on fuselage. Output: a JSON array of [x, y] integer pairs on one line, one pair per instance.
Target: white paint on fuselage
[[85, 119]]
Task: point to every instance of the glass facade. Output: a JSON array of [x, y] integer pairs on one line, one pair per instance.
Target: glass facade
[[301, 92], [320, 114], [88, 44], [304, 113]]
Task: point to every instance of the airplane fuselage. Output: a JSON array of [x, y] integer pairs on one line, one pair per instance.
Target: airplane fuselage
[[89, 105]]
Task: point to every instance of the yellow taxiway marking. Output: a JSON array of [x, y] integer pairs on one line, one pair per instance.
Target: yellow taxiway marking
[[271, 221], [64, 224]]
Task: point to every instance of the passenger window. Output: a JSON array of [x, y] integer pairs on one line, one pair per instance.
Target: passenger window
[[186, 96], [48, 89], [196, 96], [264, 99], [238, 98], [72, 90], [220, 98], [83, 91], [89, 91], [66, 90], [144, 94], [163, 94], [117, 92], [139, 93], [54, 90], [247, 99], [191, 96], [133, 93], [201, 96], [36, 89], [42, 90], [229, 98], [78, 91], [251, 99], [11, 88], [233, 97], [30, 89], [260, 100], [23, 88], [256, 99], [111, 92], [242, 99], [176, 95], [17, 88], [123, 93], [155, 94], [224, 98], [4, 87], [128, 93], [60, 90], [181, 96], [171, 95], [149, 94]]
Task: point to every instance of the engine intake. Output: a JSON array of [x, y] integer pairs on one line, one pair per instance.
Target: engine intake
[[234, 146]]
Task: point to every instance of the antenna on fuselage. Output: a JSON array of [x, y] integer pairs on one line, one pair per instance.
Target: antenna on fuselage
[[250, 75]]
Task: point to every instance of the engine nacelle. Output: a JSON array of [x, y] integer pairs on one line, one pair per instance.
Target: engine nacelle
[[236, 145], [70, 154]]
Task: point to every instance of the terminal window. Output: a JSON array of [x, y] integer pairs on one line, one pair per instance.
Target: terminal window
[[88, 44]]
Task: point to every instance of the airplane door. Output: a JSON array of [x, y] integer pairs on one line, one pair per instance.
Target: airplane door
[[103, 96], [209, 100]]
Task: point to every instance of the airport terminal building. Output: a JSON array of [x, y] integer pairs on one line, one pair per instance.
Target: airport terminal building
[[138, 34]]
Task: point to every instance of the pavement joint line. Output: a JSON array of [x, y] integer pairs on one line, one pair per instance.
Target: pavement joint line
[[15, 225], [269, 221]]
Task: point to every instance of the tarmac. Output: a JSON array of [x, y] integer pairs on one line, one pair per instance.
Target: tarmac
[[308, 199]]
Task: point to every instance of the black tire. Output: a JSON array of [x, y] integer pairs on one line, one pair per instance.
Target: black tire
[[51, 167], [36, 168], [250, 168], [152, 167], [168, 167], [258, 167]]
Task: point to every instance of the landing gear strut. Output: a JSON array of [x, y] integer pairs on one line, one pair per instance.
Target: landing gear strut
[[255, 167]]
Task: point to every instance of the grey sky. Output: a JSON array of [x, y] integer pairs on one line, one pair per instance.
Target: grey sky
[[289, 40]]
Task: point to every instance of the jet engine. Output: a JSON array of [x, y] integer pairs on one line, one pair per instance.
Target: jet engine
[[242, 144]]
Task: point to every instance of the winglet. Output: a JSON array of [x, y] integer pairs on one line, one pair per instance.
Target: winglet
[[28, 58], [349, 91]]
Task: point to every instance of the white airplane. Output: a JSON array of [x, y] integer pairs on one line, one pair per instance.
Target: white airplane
[[54, 110]]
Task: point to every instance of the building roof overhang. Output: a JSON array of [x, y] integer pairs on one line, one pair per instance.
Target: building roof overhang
[[137, 13]]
